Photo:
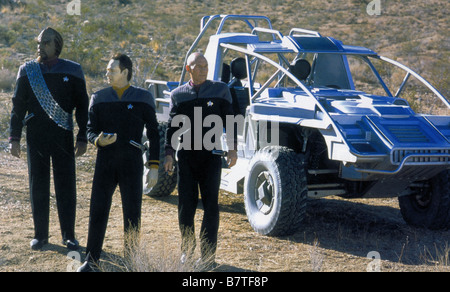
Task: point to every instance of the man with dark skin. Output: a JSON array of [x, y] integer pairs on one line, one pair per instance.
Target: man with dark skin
[[48, 91], [199, 168]]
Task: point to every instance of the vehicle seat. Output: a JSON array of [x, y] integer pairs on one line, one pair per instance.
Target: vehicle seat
[[239, 93], [226, 71], [300, 69]]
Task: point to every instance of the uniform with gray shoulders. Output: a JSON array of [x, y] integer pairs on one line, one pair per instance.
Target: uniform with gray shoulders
[[50, 138], [121, 162], [198, 167]]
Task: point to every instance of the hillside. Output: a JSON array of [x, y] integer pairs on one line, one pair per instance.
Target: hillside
[[157, 33]]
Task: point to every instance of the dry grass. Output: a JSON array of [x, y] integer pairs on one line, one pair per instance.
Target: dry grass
[[316, 256], [143, 255], [7, 79]]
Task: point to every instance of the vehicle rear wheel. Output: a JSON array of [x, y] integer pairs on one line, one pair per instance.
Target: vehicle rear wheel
[[429, 205], [166, 183], [275, 191]]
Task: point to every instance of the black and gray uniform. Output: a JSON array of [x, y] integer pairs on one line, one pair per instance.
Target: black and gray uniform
[[46, 141], [120, 163], [198, 166]]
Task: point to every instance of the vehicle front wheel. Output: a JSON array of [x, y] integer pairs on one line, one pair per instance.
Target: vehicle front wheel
[[275, 191], [429, 205]]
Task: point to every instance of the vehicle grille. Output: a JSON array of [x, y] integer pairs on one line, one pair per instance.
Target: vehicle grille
[[430, 156]]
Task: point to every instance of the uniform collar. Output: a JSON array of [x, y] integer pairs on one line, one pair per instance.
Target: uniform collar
[[195, 86], [51, 63], [121, 91]]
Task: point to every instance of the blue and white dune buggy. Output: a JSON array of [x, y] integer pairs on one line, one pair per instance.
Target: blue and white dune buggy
[[320, 118]]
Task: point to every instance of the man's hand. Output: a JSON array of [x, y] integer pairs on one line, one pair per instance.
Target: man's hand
[[168, 164], [14, 148], [80, 148], [232, 158], [106, 139]]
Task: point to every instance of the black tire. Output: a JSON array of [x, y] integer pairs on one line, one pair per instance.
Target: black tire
[[275, 191], [166, 183], [428, 206]]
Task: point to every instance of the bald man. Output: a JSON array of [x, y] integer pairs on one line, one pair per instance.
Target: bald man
[[48, 90], [199, 166]]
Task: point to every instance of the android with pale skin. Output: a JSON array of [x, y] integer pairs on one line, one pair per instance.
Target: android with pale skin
[[118, 79], [118, 115]]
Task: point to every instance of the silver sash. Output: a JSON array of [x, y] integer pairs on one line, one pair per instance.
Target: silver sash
[[45, 98]]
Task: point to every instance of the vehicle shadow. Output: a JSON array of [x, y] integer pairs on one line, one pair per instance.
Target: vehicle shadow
[[358, 229], [171, 199]]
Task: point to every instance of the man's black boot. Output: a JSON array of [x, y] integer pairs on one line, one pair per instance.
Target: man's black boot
[[71, 244], [37, 244]]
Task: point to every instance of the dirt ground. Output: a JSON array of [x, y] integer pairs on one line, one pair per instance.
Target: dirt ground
[[337, 234]]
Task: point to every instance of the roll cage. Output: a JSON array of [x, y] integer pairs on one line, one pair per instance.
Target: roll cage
[[299, 41]]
